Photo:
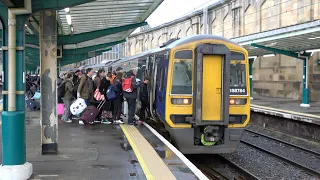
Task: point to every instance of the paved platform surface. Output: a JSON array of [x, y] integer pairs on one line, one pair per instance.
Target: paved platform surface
[[286, 104], [86, 153]]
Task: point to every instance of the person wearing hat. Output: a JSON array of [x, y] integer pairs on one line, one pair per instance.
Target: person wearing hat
[[144, 98]]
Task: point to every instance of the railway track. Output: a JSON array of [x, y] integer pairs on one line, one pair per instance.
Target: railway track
[[296, 164], [217, 167], [284, 142]]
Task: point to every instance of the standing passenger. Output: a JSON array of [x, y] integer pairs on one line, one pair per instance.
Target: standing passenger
[[68, 97], [117, 103], [129, 87], [144, 98], [85, 89]]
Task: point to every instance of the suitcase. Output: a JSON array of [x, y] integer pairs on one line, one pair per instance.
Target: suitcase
[[33, 104], [91, 113]]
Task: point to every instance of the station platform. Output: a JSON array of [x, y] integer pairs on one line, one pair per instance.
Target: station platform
[[286, 108], [97, 152]]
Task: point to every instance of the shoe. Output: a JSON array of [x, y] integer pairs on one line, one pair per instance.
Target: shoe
[[119, 121], [91, 122], [81, 122], [105, 121], [131, 123], [140, 122], [96, 121], [69, 121]]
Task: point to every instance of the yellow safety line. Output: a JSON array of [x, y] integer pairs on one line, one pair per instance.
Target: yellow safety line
[[153, 168], [290, 112], [137, 152]]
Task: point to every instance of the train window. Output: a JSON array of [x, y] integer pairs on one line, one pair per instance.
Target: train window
[[161, 79], [237, 75], [184, 54], [237, 56], [182, 77]]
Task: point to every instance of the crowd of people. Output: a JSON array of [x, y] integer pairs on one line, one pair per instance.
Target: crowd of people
[[125, 86]]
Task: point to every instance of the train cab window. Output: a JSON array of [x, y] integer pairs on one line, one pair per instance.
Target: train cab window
[[182, 77], [238, 77]]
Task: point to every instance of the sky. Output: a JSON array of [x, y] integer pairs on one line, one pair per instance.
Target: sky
[[172, 9]]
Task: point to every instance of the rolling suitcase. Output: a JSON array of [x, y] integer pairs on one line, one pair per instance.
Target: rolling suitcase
[[91, 113]]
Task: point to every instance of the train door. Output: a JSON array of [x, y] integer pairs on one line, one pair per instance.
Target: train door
[[160, 90], [212, 74]]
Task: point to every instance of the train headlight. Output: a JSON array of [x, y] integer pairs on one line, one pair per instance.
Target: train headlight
[[181, 101], [238, 101]]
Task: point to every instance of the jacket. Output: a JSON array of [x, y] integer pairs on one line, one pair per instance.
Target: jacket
[[104, 85], [134, 93], [68, 90], [117, 86], [143, 92], [85, 88]]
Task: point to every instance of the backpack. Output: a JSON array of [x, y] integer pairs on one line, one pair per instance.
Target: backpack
[[111, 94], [127, 85], [62, 89]]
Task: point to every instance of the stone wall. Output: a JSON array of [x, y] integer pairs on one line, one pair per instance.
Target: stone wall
[[278, 76]]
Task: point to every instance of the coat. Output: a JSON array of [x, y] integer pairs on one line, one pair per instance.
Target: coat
[[85, 88], [68, 90]]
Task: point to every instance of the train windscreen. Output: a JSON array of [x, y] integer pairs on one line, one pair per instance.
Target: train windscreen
[[238, 79], [182, 77]]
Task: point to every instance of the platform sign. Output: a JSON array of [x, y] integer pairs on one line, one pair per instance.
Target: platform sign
[[92, 54]]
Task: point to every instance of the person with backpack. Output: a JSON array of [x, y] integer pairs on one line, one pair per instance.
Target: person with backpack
[[129, 88], [115, 92], [65, 91], [106, 114]]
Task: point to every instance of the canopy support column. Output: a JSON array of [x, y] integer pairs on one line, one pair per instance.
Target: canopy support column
[[48, 70], [305, 90]]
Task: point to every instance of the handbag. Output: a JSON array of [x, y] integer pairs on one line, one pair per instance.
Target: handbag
[[97, 95]]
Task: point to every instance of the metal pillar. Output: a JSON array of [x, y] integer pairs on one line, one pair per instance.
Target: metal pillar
[[251, 60], [14, 165], [48, 70], [305, 90]]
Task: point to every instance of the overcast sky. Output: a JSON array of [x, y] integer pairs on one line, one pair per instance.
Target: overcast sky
[[173, 9]]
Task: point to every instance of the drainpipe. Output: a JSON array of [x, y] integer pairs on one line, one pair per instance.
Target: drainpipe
[[12, 12], [205, 20]]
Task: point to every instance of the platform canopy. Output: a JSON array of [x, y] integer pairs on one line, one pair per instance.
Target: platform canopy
[[294, 39], [93, 26]]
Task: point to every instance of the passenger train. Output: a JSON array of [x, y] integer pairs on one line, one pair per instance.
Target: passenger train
[[199, 91]]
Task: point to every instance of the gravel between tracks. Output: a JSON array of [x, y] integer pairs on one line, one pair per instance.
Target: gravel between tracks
[[284, 150], [266, 166], [315, 146]]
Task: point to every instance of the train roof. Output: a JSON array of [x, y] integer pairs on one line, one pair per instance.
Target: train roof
[[174, 43]]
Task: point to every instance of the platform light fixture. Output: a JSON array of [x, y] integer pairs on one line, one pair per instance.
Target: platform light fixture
[[68, 16], [312, 50], [269, 55], [312, 38], [67, 10]]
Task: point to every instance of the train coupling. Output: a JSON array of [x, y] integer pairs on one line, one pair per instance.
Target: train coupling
[[211, 134]]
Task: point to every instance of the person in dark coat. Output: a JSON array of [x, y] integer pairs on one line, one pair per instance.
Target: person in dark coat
[[117, 102], [131, 97], [144, 97]]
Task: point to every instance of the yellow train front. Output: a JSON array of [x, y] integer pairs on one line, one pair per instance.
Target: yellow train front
[[199, 91]]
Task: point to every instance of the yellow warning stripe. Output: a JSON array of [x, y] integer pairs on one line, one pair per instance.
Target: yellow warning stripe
[[285, 111], [152, 165]]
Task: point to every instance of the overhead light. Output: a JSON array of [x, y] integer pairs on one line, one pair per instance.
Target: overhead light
[[318, 37], [68, 16], [71, 29], [67, 9], [252, 57], [25, 25], [268, 55], [313, 50], [271, 44], [312, 38]]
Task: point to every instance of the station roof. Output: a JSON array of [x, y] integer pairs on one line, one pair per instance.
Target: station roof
[[295, 38], [94, 16]]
